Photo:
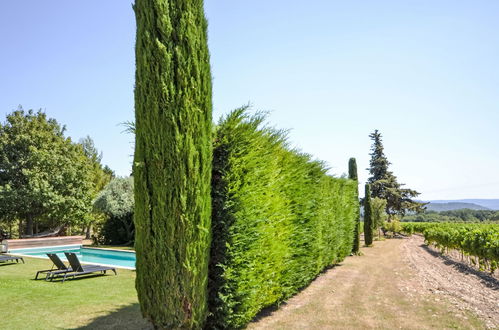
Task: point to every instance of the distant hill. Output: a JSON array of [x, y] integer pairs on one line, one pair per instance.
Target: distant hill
[[450, 206], [491, 204]]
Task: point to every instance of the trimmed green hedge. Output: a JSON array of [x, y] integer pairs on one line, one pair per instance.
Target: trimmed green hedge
[[277, 219]]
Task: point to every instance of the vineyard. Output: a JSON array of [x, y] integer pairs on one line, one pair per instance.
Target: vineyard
[[479, 243]]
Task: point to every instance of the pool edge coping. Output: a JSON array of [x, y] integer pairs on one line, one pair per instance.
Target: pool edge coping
[[49, 246], [107, 249]]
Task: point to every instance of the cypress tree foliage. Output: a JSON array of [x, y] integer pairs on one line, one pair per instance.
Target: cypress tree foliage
[[384, 183], [172, 165], [352, 169], [278, 220], [352, 175], [368, 221]]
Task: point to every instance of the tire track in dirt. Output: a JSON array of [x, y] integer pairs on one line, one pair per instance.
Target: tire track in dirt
[[466, 288], [378, 290]]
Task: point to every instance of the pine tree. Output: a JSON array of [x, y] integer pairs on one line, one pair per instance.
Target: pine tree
[[352, 175], [172, 165], [368, 228], [384, 183]]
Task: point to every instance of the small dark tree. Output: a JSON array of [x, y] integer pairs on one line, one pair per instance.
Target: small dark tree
[[352, 175], [368, 227], [384, 184]]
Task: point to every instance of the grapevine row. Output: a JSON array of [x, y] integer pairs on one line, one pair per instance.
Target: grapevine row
[[480, 241]]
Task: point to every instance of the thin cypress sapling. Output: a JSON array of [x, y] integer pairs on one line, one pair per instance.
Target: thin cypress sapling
[[352, 175], [368, 228]]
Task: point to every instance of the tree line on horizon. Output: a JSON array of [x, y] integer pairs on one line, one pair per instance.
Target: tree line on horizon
[[460, 215]]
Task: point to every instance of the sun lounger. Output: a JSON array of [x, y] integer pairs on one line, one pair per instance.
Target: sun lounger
[[5, 258], [58, 267], [79, 269]]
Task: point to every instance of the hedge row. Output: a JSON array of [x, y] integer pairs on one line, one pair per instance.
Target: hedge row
[[277, 220]]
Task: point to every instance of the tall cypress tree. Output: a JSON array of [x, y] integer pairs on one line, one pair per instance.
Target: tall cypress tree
[[368, 221], [384, 183], [172, 165], [352, 175]]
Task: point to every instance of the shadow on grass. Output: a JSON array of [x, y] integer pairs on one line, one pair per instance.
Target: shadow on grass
[[486, 279], [128, 317], [9, 263], [59, 279], [268, 311]]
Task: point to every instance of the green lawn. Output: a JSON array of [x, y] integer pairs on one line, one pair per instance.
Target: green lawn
[[98, 302]]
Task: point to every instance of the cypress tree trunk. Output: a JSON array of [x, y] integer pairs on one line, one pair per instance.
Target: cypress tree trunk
[[352, 175], [368, 228], [172, 166]]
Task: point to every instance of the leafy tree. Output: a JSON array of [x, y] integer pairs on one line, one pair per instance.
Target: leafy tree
[[384, 183], [116, 201], [352, 175], [379, 215], [172, 166], [368, 220], [100, 176], [44, 176]]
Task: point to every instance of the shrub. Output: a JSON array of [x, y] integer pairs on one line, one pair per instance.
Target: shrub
[[379, 216], [393, 225], [116, 202], [277, 220]]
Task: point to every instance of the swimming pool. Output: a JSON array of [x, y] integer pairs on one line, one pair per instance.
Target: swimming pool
[[107, 257]]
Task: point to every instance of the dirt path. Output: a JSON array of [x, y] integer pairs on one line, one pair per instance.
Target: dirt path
[[465, 287], [382, 289]]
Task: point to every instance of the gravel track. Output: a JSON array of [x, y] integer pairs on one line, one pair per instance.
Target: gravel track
[[447, 276], [396, 284]]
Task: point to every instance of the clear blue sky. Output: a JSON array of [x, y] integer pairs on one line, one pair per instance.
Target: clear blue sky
[[423, 72]]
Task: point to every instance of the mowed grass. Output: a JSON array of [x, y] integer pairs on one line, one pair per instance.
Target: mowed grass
[[361, 293], [96, 302]]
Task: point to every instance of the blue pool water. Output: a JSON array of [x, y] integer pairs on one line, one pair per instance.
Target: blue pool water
[[123, 259]]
